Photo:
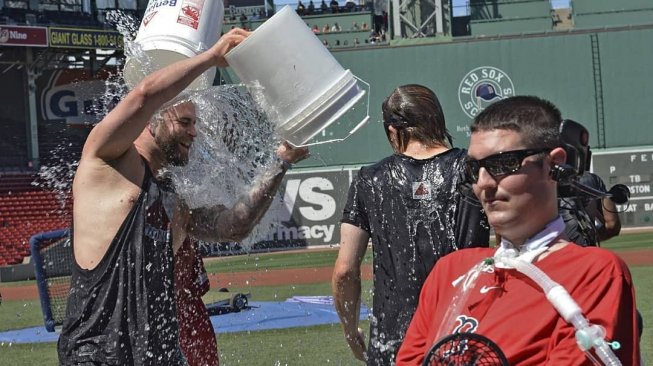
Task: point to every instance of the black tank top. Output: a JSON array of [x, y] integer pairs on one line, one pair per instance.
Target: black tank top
[[123, 311]]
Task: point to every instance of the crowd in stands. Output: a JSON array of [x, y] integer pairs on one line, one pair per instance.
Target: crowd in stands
[[332, 8], [371, 32], [337, 28], [23, 16], [373, 38], [243, 19]]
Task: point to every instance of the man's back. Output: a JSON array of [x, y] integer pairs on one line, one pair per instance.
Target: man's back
[[411, 209]]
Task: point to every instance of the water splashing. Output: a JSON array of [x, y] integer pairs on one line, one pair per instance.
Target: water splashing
[[126, 24], [56, 174], [235, 144]]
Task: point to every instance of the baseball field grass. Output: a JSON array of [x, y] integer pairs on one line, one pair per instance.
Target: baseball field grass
[[316, 345]]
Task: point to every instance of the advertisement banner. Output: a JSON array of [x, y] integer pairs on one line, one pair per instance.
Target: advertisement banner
[[306, 211], [84, 38], [23, 36], [74, 96]]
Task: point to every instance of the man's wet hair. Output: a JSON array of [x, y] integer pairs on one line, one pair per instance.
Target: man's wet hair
[[537, 120], [415, 111], [169, 106]]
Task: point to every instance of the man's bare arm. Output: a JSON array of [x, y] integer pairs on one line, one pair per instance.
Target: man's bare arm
[[235, 223], [346, 285], [115, 134], [611, 224]]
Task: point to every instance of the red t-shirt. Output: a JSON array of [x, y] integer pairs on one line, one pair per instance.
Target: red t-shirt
[[511, 310], [196, 334]]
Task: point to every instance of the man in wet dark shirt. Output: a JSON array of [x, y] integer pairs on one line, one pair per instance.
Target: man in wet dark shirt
[[414, 208], [128, 223]]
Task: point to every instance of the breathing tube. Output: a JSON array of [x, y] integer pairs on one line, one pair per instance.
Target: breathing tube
[[464, 284], [588, 335]]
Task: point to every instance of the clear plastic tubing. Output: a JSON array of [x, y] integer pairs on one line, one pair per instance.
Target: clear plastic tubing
[[467, 283], [587, 335]]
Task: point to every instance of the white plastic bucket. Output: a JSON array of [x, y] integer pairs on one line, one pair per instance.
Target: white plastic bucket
[[298, 83], [173, 30]]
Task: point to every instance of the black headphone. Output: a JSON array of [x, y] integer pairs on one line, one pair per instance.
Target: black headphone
[[398, 121]]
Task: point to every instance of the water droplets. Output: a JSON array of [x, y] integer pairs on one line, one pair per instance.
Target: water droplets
[[232, 148], [125, 23]]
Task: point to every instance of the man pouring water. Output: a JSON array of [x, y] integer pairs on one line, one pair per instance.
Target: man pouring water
[[127, 222]]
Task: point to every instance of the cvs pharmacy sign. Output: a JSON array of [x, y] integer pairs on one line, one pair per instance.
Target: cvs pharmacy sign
[[307, 210]]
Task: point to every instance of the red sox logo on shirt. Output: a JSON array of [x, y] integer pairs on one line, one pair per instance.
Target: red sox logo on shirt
[[466, 324]]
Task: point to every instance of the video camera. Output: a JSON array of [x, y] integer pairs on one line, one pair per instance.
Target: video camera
[[575, 140]]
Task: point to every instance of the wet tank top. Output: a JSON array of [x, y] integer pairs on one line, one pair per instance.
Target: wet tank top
[[123, 311]]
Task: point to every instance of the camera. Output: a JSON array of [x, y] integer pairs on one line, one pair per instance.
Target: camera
[[574, 139]]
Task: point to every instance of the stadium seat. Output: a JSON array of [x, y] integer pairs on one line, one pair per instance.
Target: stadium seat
[[26, 210]]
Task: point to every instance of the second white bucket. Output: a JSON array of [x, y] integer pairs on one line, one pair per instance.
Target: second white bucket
[[172, 31], [300, 85]]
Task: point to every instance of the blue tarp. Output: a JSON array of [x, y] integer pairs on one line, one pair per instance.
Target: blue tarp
[[296, 312]]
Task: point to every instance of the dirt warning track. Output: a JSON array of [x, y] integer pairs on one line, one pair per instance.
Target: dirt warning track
[[293, 276]]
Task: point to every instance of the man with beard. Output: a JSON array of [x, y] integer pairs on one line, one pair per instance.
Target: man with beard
[[127, 223]]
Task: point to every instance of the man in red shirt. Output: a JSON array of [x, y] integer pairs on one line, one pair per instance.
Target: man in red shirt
[[196, 333], [513, 151]]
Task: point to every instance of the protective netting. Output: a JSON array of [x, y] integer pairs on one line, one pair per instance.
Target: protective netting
[[56, 262], [465, 349]]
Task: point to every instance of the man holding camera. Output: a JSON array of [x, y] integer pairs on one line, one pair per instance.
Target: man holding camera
[[589, 220]]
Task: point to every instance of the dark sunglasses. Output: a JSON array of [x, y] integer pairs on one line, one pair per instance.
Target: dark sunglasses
[[503, 163]]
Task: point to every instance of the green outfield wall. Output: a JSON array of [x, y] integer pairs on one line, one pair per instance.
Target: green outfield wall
[[597, 73], [599, 79], [610, 13]]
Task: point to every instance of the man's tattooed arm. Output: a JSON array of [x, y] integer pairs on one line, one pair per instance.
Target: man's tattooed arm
[[234, 224]]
